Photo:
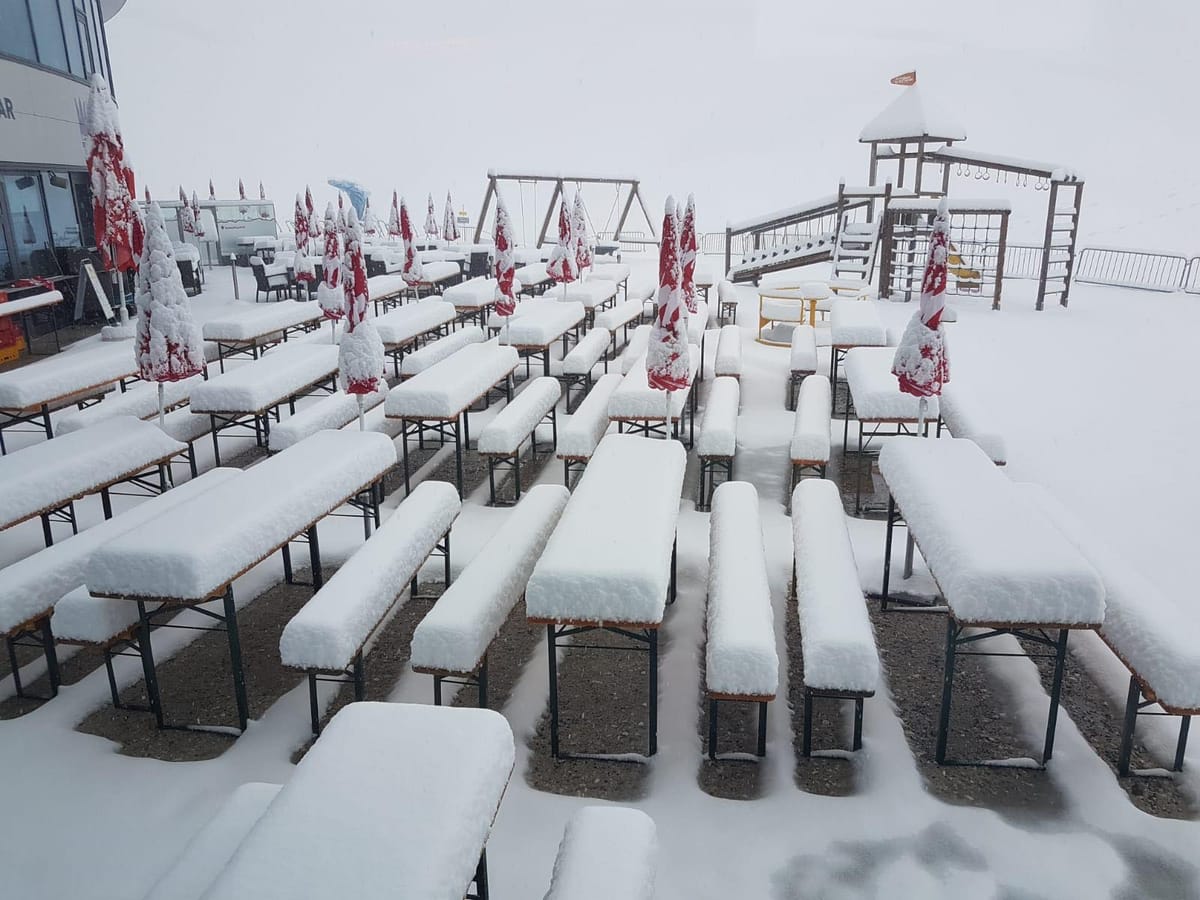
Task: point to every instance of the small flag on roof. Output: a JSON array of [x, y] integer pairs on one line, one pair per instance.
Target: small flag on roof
[[907, 79]]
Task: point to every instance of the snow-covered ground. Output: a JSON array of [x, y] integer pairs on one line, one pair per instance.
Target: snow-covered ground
[[1095, 404]]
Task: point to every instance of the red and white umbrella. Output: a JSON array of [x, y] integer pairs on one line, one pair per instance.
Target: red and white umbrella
[[687, 254], [579, 234], [562, 267], [506, 300], [667, 356], [394, 218], [431, 225], [412, 273], [212, 191], [360, 355], [302, 266], [921, 364], [314, 221], [187, 216], [449, 223], [262, 191], [330, 296], [241, 190], [168, 346], [117, 219], [199, 222]]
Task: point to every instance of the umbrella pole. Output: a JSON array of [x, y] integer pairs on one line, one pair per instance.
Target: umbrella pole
[[362, 422], [162, 418], [332, 332], [118, 288], [908, 540]]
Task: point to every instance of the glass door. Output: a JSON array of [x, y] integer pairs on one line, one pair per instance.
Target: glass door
[[31, 251]]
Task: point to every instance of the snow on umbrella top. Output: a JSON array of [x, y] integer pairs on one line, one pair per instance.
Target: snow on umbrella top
[[667, 356], [920, 363], [562, 267], [370, 221], [360, 355], [262, 191], [168, 345], [212, 191], [449, 225], [241, 190], [431, 225], [114, 211], [196, 215], [579, 234], [187, 215], [687, 254], [302, 266], [308, 201], [506, 300], [412, 273], [329, 291], [394, 218]]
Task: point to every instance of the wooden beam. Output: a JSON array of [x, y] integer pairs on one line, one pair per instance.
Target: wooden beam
[[624, 213], [558, 189], [487, 199]]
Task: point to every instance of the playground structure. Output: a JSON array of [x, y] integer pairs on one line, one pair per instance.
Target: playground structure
[[626, 192], [921, 143]]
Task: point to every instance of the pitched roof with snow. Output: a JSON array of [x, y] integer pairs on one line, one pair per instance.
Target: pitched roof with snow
[[912, 115]]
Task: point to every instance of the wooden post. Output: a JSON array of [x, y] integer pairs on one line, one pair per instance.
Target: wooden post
[[920, 164], [558, 189], [1077, 208], [645, 212], [1000, 259], [874, 171], [728, 251], [1046, 244], [900, 177], [624, 213], [487, 199]]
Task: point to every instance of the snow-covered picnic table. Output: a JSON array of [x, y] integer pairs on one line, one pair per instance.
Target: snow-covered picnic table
[[45, 480], [473, 297], [537, 325], [610, 566], [998, 560], [194, 552], [641, 409], [253, 329], [254, 390], [385, 290], [29, 394], [595, 294], [533, 278], [405, 327], [852, 323], [393, 800]]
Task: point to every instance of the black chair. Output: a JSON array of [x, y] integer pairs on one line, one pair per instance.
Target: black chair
[[189, 274], [264, 284], [479, 264]]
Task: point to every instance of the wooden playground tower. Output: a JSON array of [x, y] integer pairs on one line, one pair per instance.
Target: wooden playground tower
[[627, 190]]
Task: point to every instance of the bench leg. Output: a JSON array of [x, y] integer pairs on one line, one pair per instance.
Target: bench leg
[[887, 552], [16, 669], [491, 481], [106, 502], [404, 445], [806, 738], [287, 563], [51, 654], [1060, 663], [1128, 726], [762, 727], [481, 878], [112, 679], [1181, 744], [652, 725], [858, 721], [482, 683], [149, 672], [437, 690], [947, 689], [360, 678], [458, 455], [712, 729], [216, 445], [551, 646], [314, 558], [235, 660], [314, 709], [517, 473], [47, 534], [674, 570]]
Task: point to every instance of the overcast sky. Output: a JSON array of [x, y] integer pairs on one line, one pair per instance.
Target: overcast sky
[[751, 105]]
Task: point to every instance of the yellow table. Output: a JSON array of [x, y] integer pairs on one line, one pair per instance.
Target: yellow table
[[786, 304]]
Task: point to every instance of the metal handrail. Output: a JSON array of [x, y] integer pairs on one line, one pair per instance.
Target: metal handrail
[[1143, 269]]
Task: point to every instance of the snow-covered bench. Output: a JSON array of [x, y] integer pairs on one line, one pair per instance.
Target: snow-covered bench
[[533, 279], [538, 325], [1000, 563], [959, 410], [435, 351], [698, 330], [606, 851], [640, 409], [330, 411], [577, 365], [840, 658], [436, 276], [1147, 630], [729, 353], [472, 298], [254, 329], [594, 295], [31, 587], [327, 639], [29, 394], [406, 327], [811, 429], [452, 641], [727, 303], [803, 360], [394, 800], [741, 663], [45, 481], [501, 439], [717, 442], [438, 399], [139, 401], [852, 323], [385, 291], [582, 431], [622, 316], [195, 551], [257, 389], [635, 350]]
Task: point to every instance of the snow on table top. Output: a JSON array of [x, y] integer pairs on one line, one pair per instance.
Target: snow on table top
[[740, 652], [539, 323], [609, 559], [430, 256], [505, 433], [811, 428], [331, 627], [590, 293], [876, 391], [1151, 633], [620, 315], [380, 287], [210, 850], [140, 401], [260, 320], [635, 399], [448, 387], [266, 381], [996, 557], [703, 277], [582, 431], [961, 411], [393, 800], [435, 351], [404, 323], [526, 256], [607, 852], [30, 301], [855, 323], [193, 550], [472, 294], [456, 633], [43, 476], [640, 291], [804, 349], [64, 374], [587, 352], [332, 411], [32, 585], [610, 272], [635, 350], [729, 351], [532, 274], [439, 270], [835, 630], [718, 430]]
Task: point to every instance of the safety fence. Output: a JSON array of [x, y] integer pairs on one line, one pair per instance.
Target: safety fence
[[1144, 269]]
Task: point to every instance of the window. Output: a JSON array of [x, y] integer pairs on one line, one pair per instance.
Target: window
[[16, 31], [32, 252], [74, 54], [83, 208], [60, 206], [48, 30], [6, 269]]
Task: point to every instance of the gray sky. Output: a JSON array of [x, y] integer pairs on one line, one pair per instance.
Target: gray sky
[[750, 105]]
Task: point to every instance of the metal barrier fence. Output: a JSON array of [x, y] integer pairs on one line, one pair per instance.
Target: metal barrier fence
[[1134, 268], [1191, 282]]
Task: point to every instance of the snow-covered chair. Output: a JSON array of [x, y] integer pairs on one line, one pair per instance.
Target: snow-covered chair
[[606, 851], [501, 439], [838, 642], [582, 431], [330, 634], [803, 361], [717, 441], [265, 283], [741, 662], [727, 303], [811, 429], [453, 639]]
